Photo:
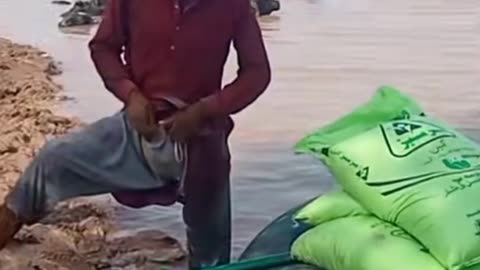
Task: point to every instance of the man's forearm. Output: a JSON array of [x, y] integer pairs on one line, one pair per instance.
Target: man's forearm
[[239, 94]]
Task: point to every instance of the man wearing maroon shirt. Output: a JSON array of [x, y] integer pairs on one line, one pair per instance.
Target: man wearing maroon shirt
[[170, 82]]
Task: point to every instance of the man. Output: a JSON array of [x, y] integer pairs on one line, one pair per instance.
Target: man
[[175, 51]]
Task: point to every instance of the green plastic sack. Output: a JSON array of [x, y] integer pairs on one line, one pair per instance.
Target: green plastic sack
[[419, 174], [361, 243], [330, 206], [387, 104]]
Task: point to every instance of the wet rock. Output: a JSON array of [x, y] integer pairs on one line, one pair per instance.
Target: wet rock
[[62, 241], [92, 8], [8, 144], [143, 249], [61, 2], [65, 98], [7, 149], [53, 68], [77, 19], [74, 212], [82, 13]]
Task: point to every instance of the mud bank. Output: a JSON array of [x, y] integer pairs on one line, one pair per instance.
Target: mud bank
[[79, 234]]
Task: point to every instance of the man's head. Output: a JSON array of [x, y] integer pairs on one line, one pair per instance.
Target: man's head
[[76, 19]]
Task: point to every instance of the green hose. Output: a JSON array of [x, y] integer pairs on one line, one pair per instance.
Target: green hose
[[257, 263]]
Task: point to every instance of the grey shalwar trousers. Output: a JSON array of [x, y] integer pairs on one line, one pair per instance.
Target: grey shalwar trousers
[[107, 157]]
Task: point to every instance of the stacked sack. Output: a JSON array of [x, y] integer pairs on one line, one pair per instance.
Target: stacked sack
[[348, 237], [406, 169]]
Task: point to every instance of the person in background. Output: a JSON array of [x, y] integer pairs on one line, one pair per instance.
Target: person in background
[[164, 60]]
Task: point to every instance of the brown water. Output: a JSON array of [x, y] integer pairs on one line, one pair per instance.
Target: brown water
[[328, 56]]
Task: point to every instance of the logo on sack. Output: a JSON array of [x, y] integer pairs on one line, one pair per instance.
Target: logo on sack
[[403, 128], [404, 137], [363, 173], [456, 164]]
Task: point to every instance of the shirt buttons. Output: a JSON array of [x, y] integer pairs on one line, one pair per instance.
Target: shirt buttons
[[172, 48], [177, 28]]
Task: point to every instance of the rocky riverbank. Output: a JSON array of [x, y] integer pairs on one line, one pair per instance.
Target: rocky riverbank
[[79, 234]]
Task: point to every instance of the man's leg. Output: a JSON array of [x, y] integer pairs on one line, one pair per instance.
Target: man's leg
[[207, 212], [104, 157]]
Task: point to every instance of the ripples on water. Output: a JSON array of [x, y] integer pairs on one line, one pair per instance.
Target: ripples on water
[[328, 56]]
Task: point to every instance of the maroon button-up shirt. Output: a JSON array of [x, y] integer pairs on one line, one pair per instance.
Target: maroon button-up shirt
[[178, 48]]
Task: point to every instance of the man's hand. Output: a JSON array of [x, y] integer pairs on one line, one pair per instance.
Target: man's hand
[[187, 123], [141, 115]]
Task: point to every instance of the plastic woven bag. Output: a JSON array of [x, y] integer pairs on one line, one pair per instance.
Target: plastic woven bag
[[361, 243], [417, 173], [330, 206]]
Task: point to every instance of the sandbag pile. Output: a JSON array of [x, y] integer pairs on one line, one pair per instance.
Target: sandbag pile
[[408, 170], [348, 237]]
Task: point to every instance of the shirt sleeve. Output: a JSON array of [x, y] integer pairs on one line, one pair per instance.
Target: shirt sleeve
[[106, 49], [254, 67]]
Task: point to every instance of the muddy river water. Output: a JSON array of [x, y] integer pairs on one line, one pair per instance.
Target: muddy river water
[[327, 56]]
